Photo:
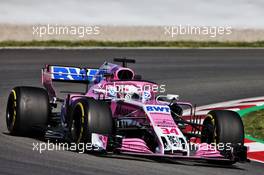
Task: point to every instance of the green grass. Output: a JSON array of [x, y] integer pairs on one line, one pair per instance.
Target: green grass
[[92, 43], [254, 124]]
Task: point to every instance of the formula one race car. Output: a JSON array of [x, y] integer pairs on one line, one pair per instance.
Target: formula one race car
[[121, 113]]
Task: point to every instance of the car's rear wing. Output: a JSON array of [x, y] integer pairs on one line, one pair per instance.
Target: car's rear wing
[[68, 74]]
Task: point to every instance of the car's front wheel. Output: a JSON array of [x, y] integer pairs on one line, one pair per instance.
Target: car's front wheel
[[223, 126], [225, 130]]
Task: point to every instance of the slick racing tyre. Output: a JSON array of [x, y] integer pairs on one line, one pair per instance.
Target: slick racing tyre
[[223, 126], [90, 116], [27, 111]]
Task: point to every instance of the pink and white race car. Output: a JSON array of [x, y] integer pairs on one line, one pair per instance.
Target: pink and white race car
[[121, 113]]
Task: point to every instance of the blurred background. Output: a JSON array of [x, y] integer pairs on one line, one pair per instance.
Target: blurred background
[[133, 20]]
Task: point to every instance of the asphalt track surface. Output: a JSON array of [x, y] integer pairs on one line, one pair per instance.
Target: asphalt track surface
[[200, 76]]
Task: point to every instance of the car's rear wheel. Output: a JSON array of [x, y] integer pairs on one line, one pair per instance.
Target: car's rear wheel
[[90, 116], [27, 111]]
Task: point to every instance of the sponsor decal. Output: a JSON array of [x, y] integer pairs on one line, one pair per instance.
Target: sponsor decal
[[72, 73], [164, 122], [175, 141], [112, 91], [146, 96], [158, 109]]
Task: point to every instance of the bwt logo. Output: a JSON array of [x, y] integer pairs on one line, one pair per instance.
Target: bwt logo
[[158, 109], [72, 73]]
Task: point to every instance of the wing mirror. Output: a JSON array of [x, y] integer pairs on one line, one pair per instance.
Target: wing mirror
[[172, 97]]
